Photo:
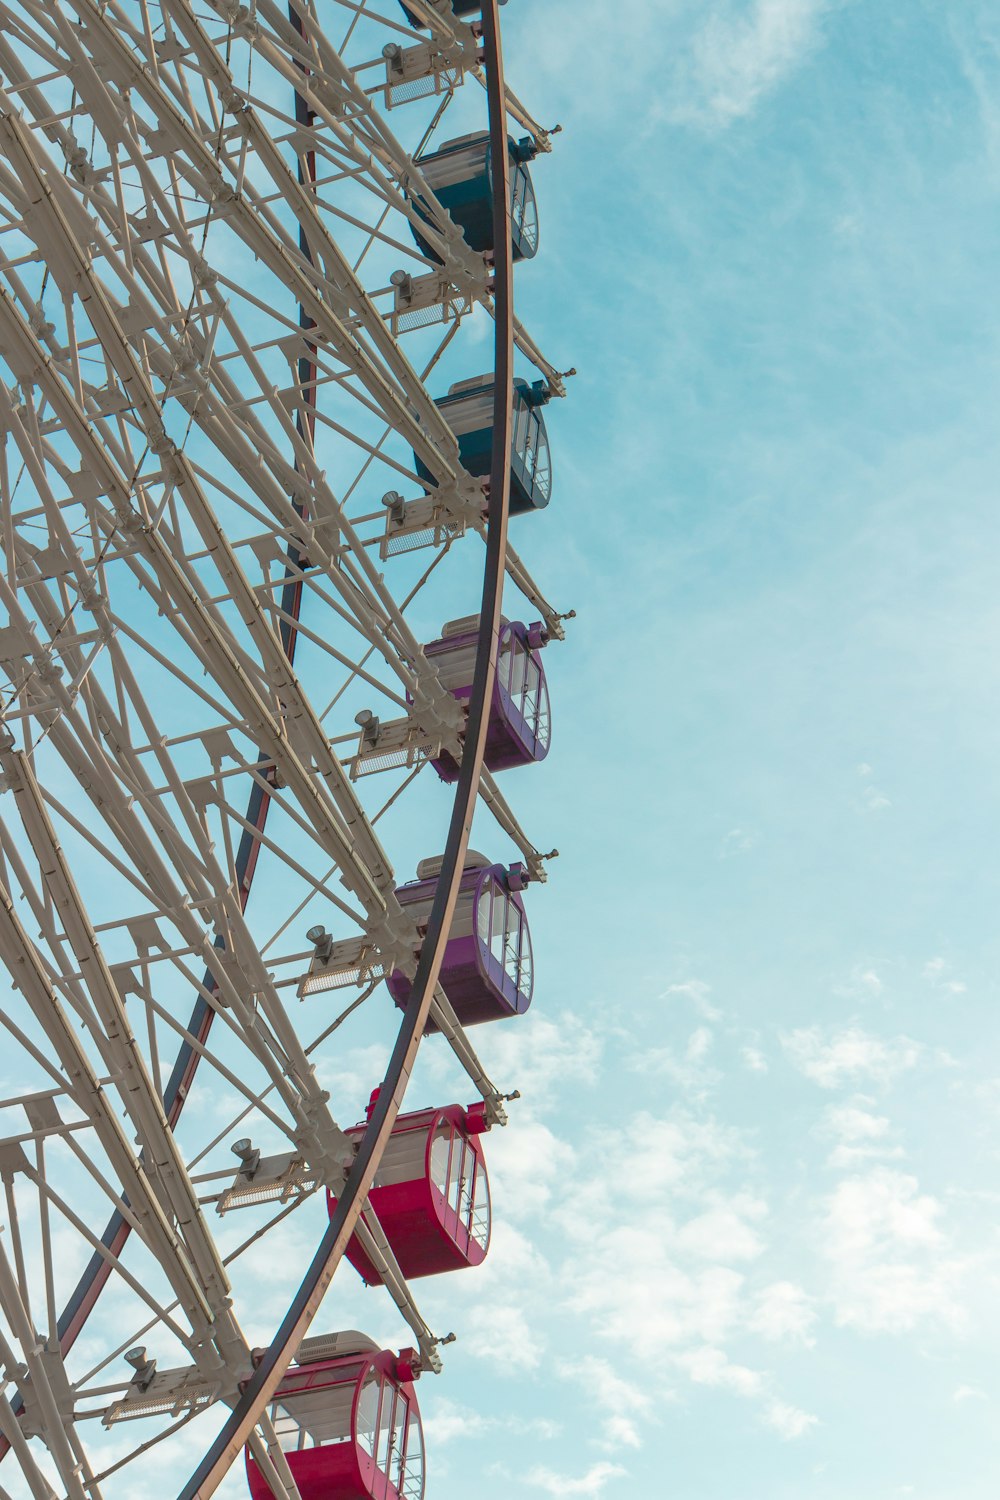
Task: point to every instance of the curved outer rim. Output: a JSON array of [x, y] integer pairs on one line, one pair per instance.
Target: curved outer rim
[[257, 1394]]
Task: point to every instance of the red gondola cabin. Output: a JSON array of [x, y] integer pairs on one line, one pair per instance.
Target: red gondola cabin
[[347, 1420], [431, 1193]]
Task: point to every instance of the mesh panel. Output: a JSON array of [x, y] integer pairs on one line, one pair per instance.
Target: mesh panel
[[340, 979], [420, 317], [412, 541], [437, 81], [157, 1406], [294, 1184], [391, 760]]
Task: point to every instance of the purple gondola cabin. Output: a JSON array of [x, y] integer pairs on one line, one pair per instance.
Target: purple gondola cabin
[[487, 971], [520, 726]]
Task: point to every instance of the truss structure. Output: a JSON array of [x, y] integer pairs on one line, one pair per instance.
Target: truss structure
[[219, 349]]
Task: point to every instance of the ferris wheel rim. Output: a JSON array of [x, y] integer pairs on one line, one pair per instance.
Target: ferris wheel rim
[[77, 1310], [260, 1389]]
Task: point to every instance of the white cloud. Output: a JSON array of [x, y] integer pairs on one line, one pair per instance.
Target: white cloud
[[724, 1227], [697, 991], [622, 1403], [892, 1266], [688, 1070], [526, 1162], [711, 1366], [741, 55], [788, 1421], [865, 983], [502, 1334], [860, 1135], [678, 1153], [614, 1289], [969, 1393], [591, 1483], [783, 1312], [936, 969], [446, 1420], [873, 798], [833, 1059], [737, 841], [754, 1059], [541, 1052]]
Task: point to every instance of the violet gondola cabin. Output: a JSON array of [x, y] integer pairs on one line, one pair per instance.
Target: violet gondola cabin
[[519, 731], [347, 1419], [468, 410], [431, 1194], [486, 971], [460, 175]]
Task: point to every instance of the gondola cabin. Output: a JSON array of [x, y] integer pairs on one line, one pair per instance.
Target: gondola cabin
[[460, 175], [458, 8], [431, 1194], [468, 410], [519, 730], [486, 972], [347, 1420]]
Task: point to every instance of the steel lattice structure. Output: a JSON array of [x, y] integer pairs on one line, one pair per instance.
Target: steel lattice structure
[[233, 514]]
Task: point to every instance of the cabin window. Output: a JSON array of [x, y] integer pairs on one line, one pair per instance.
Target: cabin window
[[397, 1452], [479, 1223], [457, 1184], [412, 1487], [384, 1441], [291, 1435], [535, 701], [536, 457], [508, 942], [441, 1158], [522, 679], [460, 1177], [523, 210], [367, 1417]]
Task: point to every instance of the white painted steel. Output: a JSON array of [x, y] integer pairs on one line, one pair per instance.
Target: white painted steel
[[203, 397]]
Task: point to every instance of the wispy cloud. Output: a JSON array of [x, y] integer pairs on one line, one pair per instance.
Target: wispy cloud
[[859, 1134], [784, 1313], [892, 1264], [590, 1483], [697, 992], [788, 1421], [743, 52], [834, 1058]]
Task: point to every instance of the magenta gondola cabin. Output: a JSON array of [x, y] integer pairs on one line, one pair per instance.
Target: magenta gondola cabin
[[486, 971], [347, 1419], [519, 731], [431, 1194]]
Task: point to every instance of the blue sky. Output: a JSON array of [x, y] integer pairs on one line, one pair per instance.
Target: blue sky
[[747, 1245]]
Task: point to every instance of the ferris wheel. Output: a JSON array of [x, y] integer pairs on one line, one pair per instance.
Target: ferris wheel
[[266, 411]]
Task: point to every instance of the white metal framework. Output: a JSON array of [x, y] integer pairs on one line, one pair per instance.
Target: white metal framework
[[219, 351]]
